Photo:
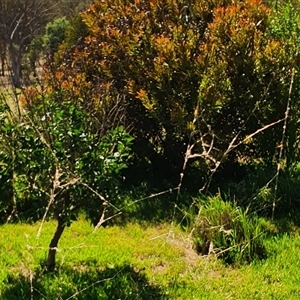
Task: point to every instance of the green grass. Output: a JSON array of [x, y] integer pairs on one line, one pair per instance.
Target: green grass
[[137, 262]]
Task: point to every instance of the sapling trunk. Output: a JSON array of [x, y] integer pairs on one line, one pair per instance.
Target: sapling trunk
[[2, 63], [53, 245]]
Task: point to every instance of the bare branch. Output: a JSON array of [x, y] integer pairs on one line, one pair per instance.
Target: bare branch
[[284, 130]]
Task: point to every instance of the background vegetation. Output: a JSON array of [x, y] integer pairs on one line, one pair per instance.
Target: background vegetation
[[137, 114]]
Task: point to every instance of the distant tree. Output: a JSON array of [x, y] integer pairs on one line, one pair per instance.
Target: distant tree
[[21, 21], [55, 34], [34, 54], [69, 8], [3, 51]]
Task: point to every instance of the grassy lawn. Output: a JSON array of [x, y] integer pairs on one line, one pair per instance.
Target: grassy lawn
[[137, 262]]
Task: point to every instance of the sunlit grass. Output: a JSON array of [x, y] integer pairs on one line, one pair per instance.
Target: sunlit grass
[[137, 262]]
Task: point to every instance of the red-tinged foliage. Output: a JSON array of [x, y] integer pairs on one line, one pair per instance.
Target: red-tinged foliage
[[168, 59]]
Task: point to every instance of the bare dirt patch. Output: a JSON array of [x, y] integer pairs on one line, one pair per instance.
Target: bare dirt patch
[[184, 243]]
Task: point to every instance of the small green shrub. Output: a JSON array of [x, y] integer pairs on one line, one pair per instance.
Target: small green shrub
[[229, 232], [55, 34]]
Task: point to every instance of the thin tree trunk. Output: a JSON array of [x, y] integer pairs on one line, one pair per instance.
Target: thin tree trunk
[[53, 245], [15, 65], [16, 73], [14, 212], [2, 63]]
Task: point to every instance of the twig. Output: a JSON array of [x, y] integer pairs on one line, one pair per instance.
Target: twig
[[152, 196], [56, 184]]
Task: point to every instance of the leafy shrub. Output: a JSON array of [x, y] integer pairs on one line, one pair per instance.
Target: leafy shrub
[[63, 136], [229, 232], [169, 58], [62, 160], [55, 34]]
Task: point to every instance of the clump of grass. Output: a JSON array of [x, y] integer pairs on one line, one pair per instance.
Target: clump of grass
[[230, 232]]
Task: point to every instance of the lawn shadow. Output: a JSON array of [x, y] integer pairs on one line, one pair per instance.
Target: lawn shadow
[[85, 282]]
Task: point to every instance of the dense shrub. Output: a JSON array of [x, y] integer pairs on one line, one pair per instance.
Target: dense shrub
[[208, 69]]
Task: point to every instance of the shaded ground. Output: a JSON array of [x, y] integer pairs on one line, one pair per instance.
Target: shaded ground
[[89, 283]]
